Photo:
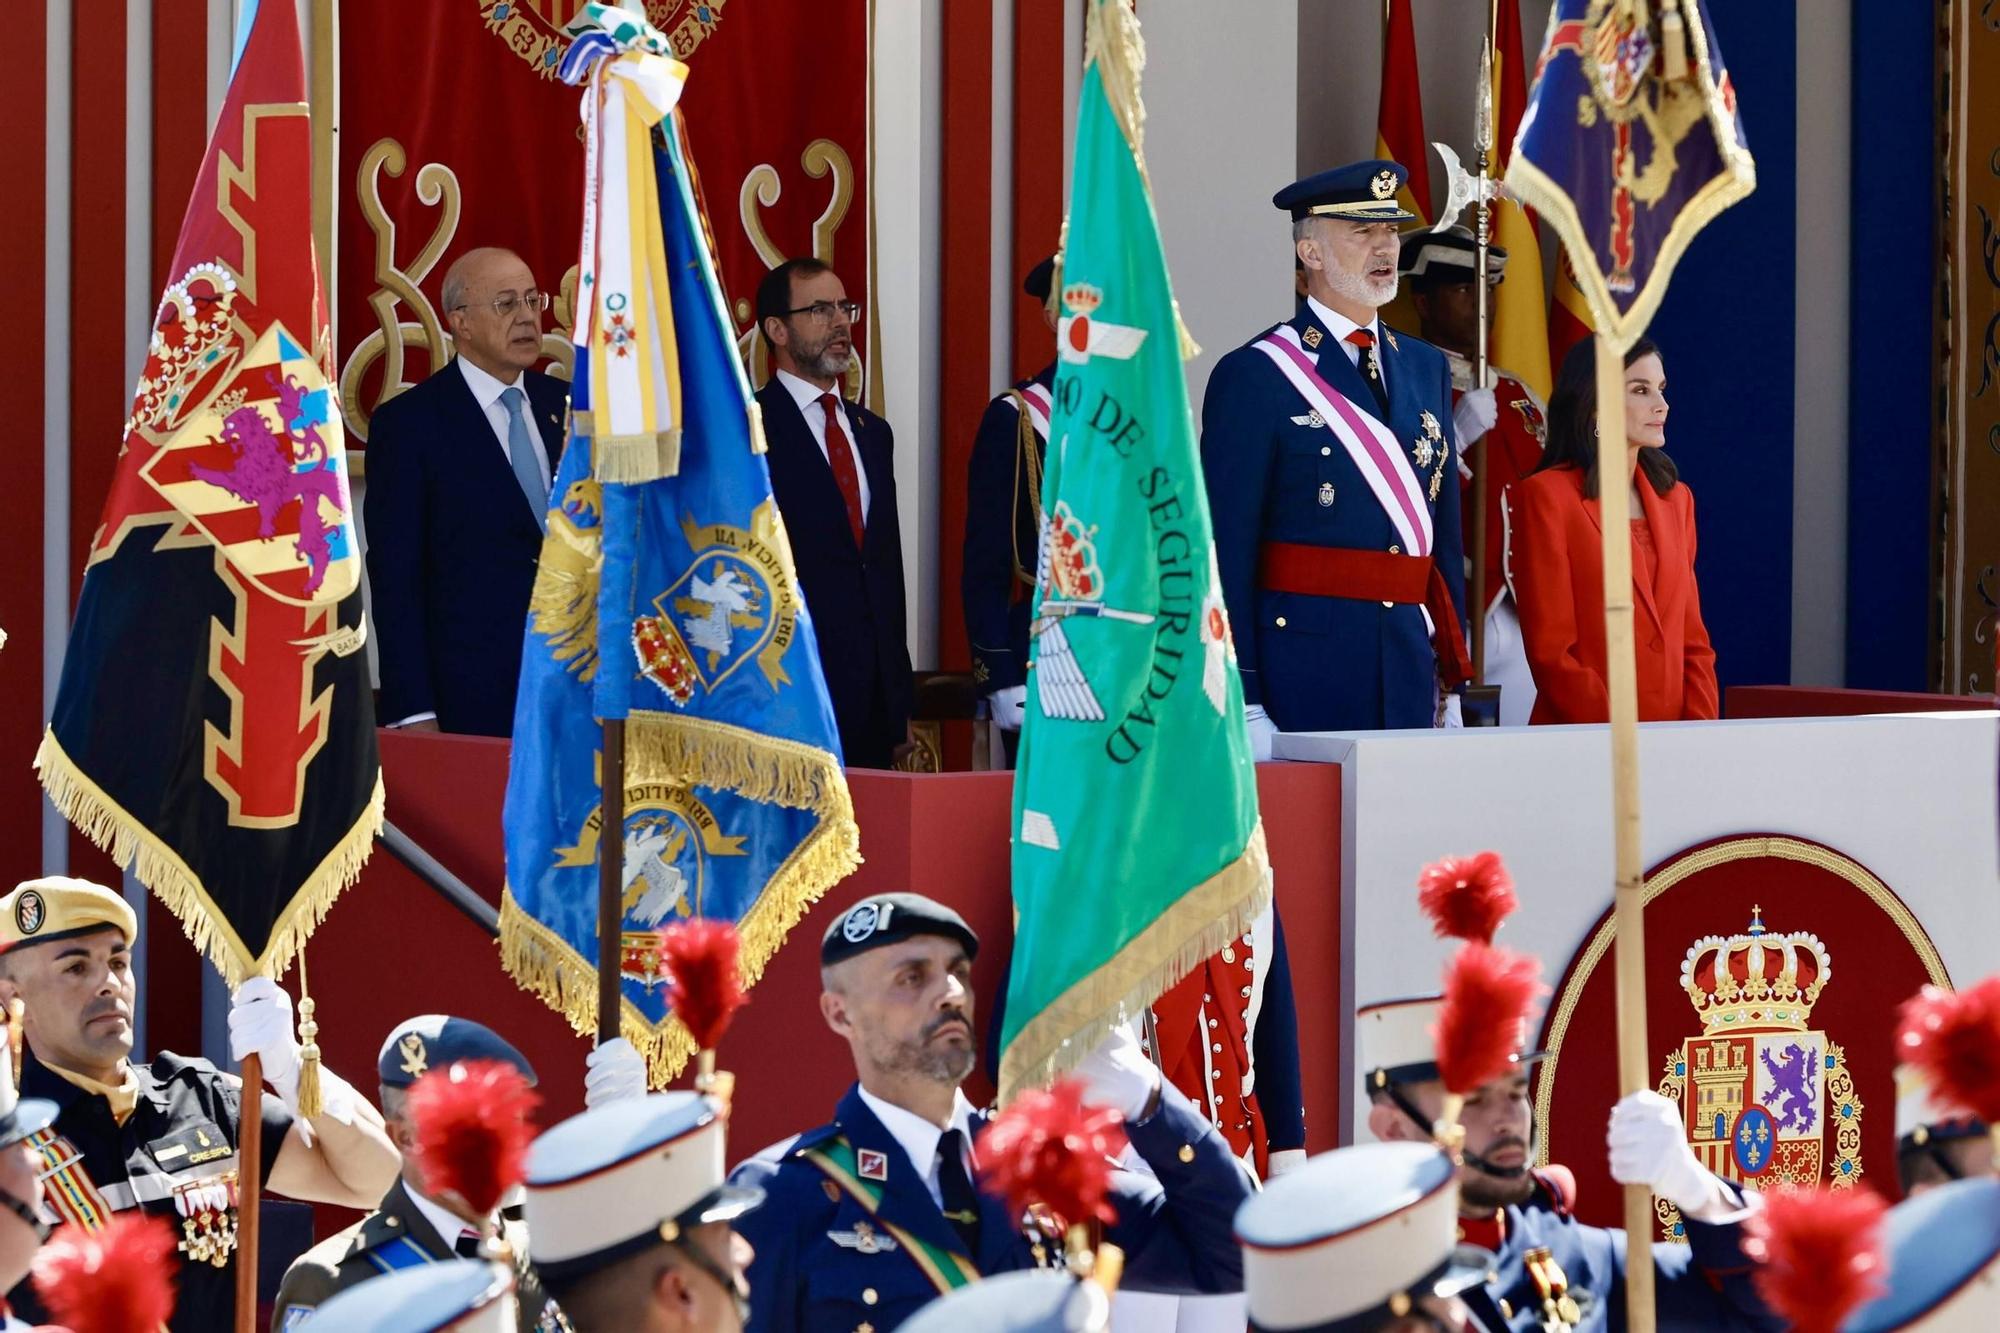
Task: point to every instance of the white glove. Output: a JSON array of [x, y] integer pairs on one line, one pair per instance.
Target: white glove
[[1283, 1161], [1649, 1147], [613, 1072], [1454, 713], [1474, 416], [1009, 707], [260, 1024], [1262, 731], [1119, 1075]]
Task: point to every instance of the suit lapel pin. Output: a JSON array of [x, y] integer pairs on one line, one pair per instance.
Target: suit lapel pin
[[1311, 336], [872, 1165], [1390, 334]]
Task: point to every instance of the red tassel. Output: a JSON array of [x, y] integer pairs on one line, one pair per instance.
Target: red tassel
[[1049, 1148], [1483, 1023], [1467, 897], [1820, 1254], [704, 984], [1954, 1038], [118, 1280], [473, 1124]]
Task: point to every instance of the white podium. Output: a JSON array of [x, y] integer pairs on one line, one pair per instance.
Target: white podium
[[1910, 796]]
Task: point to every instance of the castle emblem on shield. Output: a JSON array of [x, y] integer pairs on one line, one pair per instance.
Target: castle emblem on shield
[[1766, 1100]]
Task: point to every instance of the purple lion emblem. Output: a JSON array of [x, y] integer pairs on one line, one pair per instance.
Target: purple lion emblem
[[1794, 1088], [271, 472]]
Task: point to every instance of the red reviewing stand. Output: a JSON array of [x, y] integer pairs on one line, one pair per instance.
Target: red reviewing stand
[[392, 948]]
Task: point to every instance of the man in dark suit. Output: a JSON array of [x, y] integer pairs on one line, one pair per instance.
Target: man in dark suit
[[457, 496], [833, 475]]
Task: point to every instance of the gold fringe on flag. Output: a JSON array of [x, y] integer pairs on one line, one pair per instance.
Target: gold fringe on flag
[[1208, 917], [686, 751], [129, 843]]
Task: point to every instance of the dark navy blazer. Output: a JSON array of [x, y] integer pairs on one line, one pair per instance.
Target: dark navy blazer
[[855, 595], [452, 549], [1325, 663]]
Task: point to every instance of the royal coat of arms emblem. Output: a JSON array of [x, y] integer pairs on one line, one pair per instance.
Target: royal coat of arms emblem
[[1766, 1101]]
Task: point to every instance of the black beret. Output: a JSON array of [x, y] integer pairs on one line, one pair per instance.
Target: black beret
[[438, 1041], [890, 918], [1040, 279]]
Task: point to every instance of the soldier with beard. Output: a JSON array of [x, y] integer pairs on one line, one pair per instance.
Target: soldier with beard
[[1550, 1271], [1327, 446], [833, 475], [866, 1219]]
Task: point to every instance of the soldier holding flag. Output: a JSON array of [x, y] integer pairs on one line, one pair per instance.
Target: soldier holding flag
[[161, 1136]]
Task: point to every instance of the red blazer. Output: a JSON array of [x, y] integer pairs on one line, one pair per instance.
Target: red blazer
[[1556, 567]]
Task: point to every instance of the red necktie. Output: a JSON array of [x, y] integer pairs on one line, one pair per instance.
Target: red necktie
[[840, 457], [1371, 369]]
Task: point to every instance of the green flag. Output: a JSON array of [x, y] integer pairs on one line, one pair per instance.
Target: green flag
[[1137, 848]]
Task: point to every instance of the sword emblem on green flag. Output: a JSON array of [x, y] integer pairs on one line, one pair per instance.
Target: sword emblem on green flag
[[1138, 851]]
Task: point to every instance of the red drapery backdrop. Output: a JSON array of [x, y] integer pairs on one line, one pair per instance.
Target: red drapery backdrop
[[455, 133]]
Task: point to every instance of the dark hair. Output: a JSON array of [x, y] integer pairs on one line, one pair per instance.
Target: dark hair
[[774, 293], [1572, 438]]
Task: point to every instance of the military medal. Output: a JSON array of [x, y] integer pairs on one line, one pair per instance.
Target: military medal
[[1559, 1309], [208, 1218]]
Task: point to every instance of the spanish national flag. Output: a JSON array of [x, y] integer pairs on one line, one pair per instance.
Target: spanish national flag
[[1521, 344], [1399, 118]]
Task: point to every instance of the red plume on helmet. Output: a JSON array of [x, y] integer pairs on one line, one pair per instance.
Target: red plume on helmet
[[1820, 1254], [1467, 897], [1954, 1038], [473, 1121], [1049, 1148], [118, 1280], [704, 984], [1483, 1022]]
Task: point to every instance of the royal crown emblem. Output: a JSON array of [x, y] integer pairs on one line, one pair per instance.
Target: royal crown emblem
[[1080, 335], [1759, 1088]]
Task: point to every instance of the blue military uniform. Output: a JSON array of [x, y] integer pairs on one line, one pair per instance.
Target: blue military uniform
[[1552, 1272], [836, 1254], [1327, 599], [850, 1237], [1002, 532], [1943, 1257]]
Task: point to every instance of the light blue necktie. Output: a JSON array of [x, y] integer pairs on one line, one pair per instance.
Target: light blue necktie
[[521, 448]]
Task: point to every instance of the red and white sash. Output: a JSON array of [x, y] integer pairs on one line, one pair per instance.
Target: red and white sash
[[1041, 405], [1379, 455]]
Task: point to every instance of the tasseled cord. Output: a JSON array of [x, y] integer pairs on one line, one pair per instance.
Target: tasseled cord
[[1673, 44], [310, 1102]]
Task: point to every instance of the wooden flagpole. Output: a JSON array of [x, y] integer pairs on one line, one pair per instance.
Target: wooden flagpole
[[611, 883], [249, 1186], [1614, 492]]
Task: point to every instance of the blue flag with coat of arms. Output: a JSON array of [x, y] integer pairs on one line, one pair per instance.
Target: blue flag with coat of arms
[[672, 605]]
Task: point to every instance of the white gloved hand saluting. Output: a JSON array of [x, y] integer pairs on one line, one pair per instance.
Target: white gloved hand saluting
[[1009, 707], [1119, 1075], [260, 1024], [613, 1072], [1649, 1147], [1262, 732], [1473, 417]]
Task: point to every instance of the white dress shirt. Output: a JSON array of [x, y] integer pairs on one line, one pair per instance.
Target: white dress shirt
[[919, 1136], [1340, 326], [807, 396], [449, 1225], [487, 391]]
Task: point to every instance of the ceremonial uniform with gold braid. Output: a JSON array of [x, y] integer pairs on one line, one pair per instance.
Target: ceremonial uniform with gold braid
[[173, 1154]]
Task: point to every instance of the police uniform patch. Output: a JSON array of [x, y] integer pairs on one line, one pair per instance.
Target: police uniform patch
[[30, 913]]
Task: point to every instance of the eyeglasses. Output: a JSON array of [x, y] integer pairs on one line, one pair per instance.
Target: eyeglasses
[[505, 305], [823, 310]]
